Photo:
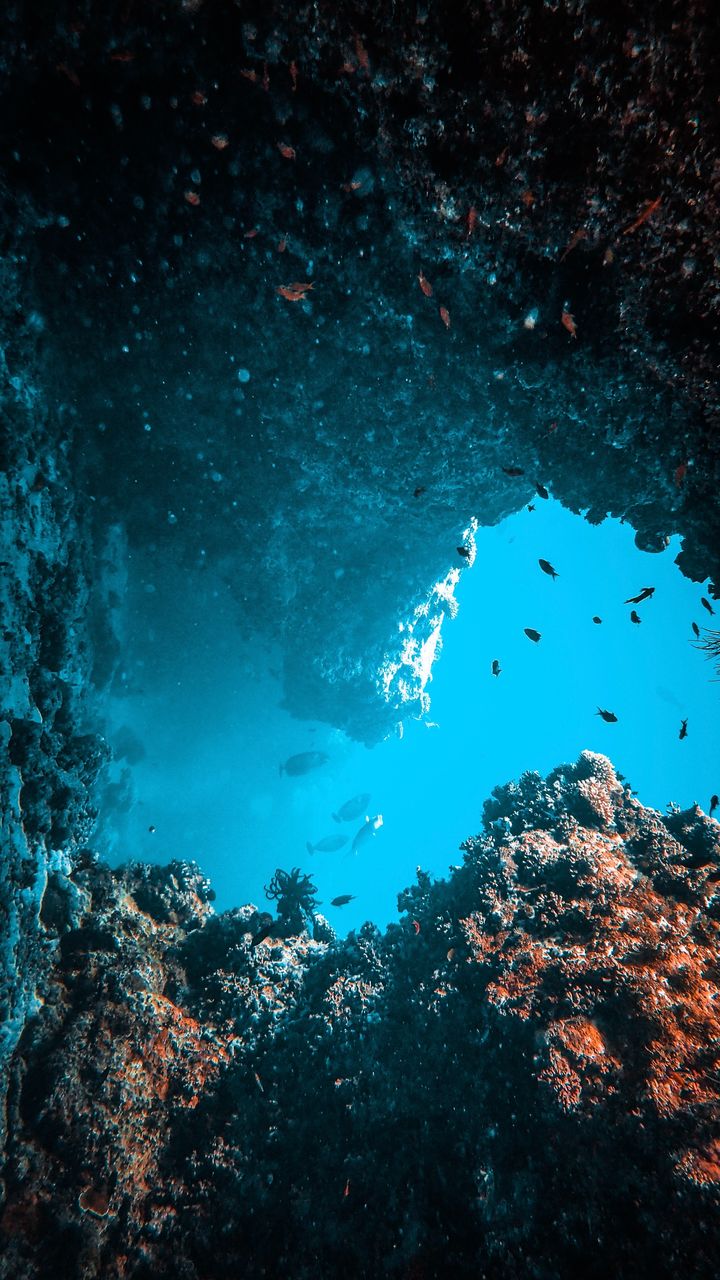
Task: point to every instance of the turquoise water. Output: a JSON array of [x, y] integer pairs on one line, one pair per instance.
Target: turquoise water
[[204, 705]]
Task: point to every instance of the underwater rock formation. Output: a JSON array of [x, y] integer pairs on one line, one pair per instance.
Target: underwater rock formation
[[519, 1078]]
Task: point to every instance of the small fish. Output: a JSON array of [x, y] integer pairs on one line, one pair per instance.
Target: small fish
[[532, 634], [418, 493], [282, 245], [569, 322], [597, 620], [714, 802], [152, 830], [251, 234], [342, 901], [367, 832], [286, 151], [608, 716], [294, 292], [425, 285], [464, 552], [645, 594], [513, 471], [192, 197], [707, 605], [361, 54], [683, 730], [445, 317], [198, 98], [293, 74], [352, 808], [573, 242], [643, 217], [696, 630], [471, 219], [680, 473], [531, 506], [635, 618], [496, 668], [248, 74], [122, 55], [220, 141], [329, 844], [303, 762], [416, 927], [547, 568], [541, 491]]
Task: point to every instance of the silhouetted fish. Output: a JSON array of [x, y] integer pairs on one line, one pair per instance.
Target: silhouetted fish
[[608, 716], [532, 634], [342, 900], [634, 618], [531, 506], [463, 551], [366, 832], [696, 630], [714, 802], [683, 730], [417, 493], [597, 620], [541, 491], [707, 605], [329, 844], [496, 668], [304, 762], [547, 568], [352, 808], [266, 923], [645, 594], [513, 471]]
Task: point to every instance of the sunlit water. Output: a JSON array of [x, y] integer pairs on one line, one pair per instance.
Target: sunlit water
[[204, 703]]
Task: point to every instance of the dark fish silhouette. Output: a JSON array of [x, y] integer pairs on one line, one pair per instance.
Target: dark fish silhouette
[[496, 667], [634, 618], [683, 730], [417, 493], [531, 506], [266, 923], [707, 605], [304, 762], [645, 594], [547, 568], [352, 808], [463, 551], [597, 620], [608, 716], [714, 802], [541, 491], [513, 471], [330, 844], [342, 899], [696, 630], [152, 829], [532, 634], [366, 832]]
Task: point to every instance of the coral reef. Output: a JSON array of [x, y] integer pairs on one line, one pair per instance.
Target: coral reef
[[521, 1077]]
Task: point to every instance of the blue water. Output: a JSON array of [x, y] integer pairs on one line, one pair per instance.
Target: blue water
[[204, 703]]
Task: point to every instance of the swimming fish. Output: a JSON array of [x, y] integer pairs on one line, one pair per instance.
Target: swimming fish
[[531, 506], [425, 285], [513, 471], [569, 323], [352, 808], [597, 620], [496, 668], [683, 730], [714, 802], [286, 151], [645, 594], [696, 630], [303, 762], [266, 923], [608, 716], [532, 634], [342, 899], [635, 618], [367, 832], [417, 493], [445, 317], [707, 605], [329, 844], [541, 491], [546, 567], [294, 292], [463, 551]]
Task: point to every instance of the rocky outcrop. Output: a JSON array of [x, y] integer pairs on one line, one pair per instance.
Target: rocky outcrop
[[519, 1078]]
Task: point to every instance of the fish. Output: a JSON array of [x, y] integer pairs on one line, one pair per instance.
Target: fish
[[532, 634], [352, 808], [643, 217], [220, 141], [608, 716], [541, 491], [192, 197], [645, 594], [286, 151], [496, 668], [293, 74], [513, 471], [367, 832], [569, 322], [328, 844], [696, 630], [445, 317], [464, 552], [707, 605], [683, 730], [680, 473], [547, 568], [597, 620], [294, 292], [418, 493], [342, 901], [634, 617], [531, 506], [714, 802], [425, 285], [471, 219], [303, 763], [266, 922], [152, 830]]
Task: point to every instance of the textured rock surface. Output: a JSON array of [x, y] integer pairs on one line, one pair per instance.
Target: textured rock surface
[[520, 1078]]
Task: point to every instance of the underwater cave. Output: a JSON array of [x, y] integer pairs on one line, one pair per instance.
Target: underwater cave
[[360, 578]]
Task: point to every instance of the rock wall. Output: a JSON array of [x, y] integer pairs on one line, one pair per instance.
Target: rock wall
[[519, 1078]]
